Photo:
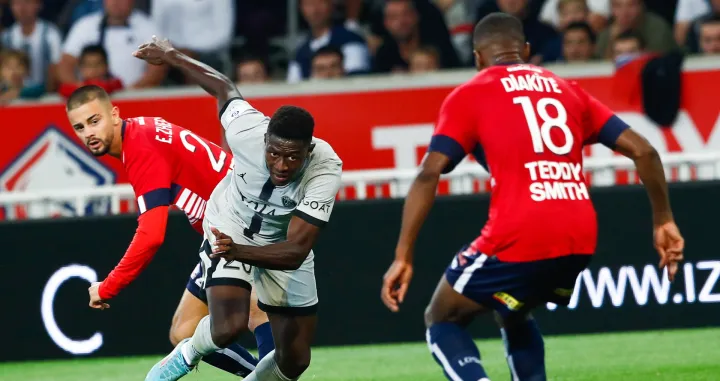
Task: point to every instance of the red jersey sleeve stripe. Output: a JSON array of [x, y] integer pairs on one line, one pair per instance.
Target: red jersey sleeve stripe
[[448, 147], [153, 199], [611, 130]]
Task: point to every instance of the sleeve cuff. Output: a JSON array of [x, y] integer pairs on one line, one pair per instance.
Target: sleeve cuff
[[102, 291], [611, 130], [448, 147], [309, 219], [153, 199], [227, 104]]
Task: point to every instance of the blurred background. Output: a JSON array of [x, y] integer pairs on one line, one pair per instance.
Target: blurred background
[[373, 73]]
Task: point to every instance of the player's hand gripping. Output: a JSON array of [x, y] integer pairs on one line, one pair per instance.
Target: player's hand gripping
[[395, 284], [670, 245], [95, 301], [224, 246], [154, 51]]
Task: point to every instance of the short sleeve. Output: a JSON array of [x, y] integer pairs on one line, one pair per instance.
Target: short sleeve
[[601, 123], [454, 134], [688, 10], [79, 37], [601, 7], [320, 191], [150, 175], [237, 115]]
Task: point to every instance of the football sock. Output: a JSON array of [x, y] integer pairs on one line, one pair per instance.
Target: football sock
[[234, 359], [525, 351], [455, 351], [268, 370], [264, 339], [200, 343]]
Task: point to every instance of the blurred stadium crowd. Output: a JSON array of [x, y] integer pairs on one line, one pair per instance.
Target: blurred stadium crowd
[[54, 46]]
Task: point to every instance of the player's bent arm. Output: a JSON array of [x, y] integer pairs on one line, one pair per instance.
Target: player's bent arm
[[286, 255], [650, 170], [418, 202], [211, 80], [148, 238]]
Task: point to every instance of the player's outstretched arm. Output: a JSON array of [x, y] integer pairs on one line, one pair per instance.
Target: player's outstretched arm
[[158, 52], [668, 240], [286, 255], [418, 203]]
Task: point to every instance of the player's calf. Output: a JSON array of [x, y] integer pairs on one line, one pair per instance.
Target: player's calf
[[450, 345], [524, 347]]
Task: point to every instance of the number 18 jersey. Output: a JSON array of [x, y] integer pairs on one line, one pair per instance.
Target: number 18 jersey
[[169, 165], [527, 127]]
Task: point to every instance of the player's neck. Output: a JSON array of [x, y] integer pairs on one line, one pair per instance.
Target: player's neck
[[116, 144], [507, 59]]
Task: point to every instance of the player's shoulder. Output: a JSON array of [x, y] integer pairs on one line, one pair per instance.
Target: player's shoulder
[[324, 158], [239, 110]]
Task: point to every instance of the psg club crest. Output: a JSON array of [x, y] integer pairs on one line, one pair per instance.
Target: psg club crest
[[288, 202], [55, 161]]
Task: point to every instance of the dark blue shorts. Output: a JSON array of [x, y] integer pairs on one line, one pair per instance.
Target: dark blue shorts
[[195, 283], [514, 287]]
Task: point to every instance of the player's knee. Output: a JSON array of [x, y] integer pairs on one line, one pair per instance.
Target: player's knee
[[292, 363], [227, 331], [257, 316], [429, 317], [181, 330]]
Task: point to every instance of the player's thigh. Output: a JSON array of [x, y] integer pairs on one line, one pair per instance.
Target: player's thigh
[[508, 288], [449, 306], [227, 286], [191, 308], [288, 292]]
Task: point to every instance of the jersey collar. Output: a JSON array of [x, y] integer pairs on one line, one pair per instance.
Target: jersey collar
[[122, 130]]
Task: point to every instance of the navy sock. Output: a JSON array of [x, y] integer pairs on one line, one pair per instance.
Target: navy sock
[[234, 359], [455, 351], [525, 351], [264, 339]]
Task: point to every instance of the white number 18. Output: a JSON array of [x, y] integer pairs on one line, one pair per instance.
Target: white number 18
[[541, 134]]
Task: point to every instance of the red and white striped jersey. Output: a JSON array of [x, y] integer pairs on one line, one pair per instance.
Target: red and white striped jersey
[[167, 164]]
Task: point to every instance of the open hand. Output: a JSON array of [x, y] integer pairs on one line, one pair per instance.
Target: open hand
[[670, 246], [95, 301], [154, 52]]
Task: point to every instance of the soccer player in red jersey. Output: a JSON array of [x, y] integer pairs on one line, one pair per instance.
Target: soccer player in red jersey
[[166, 165], [527, 127]]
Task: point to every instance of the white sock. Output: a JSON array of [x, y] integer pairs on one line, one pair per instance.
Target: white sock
[[200, 344], [267, 370]]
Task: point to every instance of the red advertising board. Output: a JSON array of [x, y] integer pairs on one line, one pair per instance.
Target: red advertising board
[[370, 129]]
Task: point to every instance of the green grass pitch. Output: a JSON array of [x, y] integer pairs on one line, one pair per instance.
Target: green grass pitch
[[687, 355]]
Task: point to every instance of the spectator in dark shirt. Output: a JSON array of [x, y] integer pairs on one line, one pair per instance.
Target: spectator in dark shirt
[[318, 14], [538, 34], [406, 34], [627, 47], [692, 44], [327, 63], [425, 59], [14, 68], [578, 42]]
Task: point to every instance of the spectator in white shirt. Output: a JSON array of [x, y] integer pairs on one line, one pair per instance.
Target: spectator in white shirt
[[202, 29], [599, 14], [120, 30], [686, 12], [39, 39]]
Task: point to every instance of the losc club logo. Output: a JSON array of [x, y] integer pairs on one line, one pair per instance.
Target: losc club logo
[[55, 161]]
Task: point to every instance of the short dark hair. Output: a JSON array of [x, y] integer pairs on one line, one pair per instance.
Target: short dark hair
[[84, 95], [292, 123], [17, 55], [631, 35], [94, 49], [583, 26], [499, 25], [328, 49], [251, 57], [712, 19]]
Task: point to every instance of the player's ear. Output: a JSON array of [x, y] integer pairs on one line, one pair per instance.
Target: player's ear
[[478, 60], [116, 115], [526, 52]]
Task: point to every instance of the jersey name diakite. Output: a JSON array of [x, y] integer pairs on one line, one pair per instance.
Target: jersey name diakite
[[167, 164], [527, 127], [261, 209]]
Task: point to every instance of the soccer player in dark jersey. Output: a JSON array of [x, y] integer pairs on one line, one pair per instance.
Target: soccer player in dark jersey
[[527, 126], [166, 165]]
